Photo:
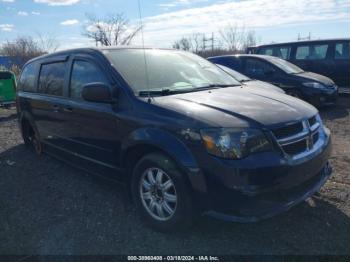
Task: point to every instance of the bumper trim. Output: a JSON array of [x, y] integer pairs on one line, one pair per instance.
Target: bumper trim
[[327, 171]]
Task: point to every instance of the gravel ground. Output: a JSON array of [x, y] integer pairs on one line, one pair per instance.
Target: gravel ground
[[48, 207]]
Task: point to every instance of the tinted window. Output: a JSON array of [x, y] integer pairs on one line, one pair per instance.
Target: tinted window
[[256, 67], [342, 51], [283, 52], [28, 76], [84, 73], [5, 75], [278, 51], [231, 62], [311, 52], [51, 79], [266, 51]]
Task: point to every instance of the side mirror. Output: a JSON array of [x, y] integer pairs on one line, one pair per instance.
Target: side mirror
[[97, 92]]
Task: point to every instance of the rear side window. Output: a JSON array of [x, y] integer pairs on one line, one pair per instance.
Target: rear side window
[[312, 52], [84, 73], [230, 62], [51, 79], [342, 51], [28, 77], [266, 51], [257, 68]]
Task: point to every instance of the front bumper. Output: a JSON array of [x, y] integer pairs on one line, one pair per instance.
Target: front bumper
[[268, 205], [264, 184], [324, 98]]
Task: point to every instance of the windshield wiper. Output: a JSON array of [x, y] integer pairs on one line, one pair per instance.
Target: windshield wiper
[[211, 86]]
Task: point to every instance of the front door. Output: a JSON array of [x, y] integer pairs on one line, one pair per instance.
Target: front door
[[92, 130]]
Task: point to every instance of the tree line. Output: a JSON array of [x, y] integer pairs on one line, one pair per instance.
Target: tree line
[[114, 30]]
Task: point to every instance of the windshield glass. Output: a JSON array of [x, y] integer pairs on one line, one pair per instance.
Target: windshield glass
[[287, 67], [169, 70], [238, 76]]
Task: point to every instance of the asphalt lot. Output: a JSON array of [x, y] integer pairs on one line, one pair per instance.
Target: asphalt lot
[[48, 207]]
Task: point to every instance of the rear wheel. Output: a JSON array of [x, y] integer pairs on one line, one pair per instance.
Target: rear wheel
[[161, 194], [31, 138]]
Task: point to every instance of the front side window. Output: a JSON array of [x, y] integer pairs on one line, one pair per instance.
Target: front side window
[[312, 52], [166, 70], [51, 80], [342, 50], [83, 73], [28, 76]]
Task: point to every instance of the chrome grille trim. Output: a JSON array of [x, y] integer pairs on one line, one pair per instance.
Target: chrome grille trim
[[307, 134]]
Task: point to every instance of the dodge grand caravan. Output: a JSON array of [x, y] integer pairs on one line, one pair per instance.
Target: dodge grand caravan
[[178, 131]]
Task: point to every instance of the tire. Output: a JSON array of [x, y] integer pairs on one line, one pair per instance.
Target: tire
[[166, 214], [31, 138]]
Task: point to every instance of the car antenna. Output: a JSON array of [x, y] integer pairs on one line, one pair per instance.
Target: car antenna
[[144, 53]]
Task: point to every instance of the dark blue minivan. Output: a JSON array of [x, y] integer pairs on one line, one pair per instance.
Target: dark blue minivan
[[177, 131]]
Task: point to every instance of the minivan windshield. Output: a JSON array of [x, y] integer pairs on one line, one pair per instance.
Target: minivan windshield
[[284, 65], [167, 71]]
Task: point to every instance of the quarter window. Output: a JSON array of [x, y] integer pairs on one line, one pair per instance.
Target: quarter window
[[84, 73], [342, 51], [51, 79], [28, 76], [311, 52]]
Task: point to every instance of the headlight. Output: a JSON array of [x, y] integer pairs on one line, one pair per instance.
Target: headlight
[[234, 143], [314, 85]]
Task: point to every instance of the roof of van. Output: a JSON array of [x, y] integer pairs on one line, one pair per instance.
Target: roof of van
[[304, 41], [91, 50]]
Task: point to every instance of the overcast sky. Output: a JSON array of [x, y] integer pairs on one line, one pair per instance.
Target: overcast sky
[[166, 21]]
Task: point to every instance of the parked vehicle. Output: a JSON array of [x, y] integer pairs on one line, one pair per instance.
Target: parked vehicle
[[330, 58], [254, 85], [7, 88], [315, 89], [177, 131]]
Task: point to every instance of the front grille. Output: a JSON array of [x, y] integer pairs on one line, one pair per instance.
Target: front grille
[[299, 137], [295, 148], [288, 130]]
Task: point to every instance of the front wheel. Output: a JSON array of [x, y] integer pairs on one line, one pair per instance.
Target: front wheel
[[161, 194]]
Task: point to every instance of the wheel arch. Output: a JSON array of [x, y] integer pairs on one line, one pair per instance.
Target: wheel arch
[[149, 140]]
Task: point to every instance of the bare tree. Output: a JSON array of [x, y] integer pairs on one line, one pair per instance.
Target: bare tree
[[47, 42], [22, 49], [183, 44], [111, 30], [230, 37]]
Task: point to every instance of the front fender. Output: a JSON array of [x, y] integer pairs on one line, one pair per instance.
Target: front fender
[[173, 147]]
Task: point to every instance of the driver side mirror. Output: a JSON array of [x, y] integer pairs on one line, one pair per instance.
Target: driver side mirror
[[97, 92]]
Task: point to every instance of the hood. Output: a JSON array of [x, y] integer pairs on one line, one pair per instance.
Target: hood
[[236, 107], [316, 77], [255, 85]]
